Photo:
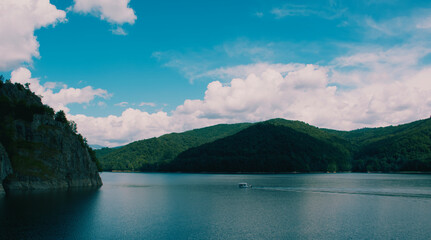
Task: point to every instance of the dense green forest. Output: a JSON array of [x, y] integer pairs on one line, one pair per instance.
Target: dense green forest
[[278, 145], [403, 148], [153, 154], [268, 147]]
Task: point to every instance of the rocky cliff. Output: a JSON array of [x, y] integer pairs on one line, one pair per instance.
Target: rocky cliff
[[5, 167], [45, 151]]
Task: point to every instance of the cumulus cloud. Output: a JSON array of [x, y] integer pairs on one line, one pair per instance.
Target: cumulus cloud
[[116, 12], [131, 125], [57, 100], [264, 96], [18, 21], [309, 93]]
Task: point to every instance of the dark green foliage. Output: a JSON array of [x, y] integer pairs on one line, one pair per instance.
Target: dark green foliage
[[153, 154], [73, 126], [17, 109], [21, 110], [48, 110], [278, 145], [60, 116], [395, 148], [403, 148], [271, 146], [105, 151]]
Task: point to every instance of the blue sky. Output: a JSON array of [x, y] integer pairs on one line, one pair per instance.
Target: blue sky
[[128, 70]]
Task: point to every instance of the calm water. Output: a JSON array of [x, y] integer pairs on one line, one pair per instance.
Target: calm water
[[207, 206]]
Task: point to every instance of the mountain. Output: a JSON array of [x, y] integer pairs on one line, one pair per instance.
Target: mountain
[[405, 147], [152, 154], [40, 149], [273, 146], [95, 146], [279, 145]]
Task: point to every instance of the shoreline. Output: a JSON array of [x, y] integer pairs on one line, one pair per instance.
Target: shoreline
[[400, 172]]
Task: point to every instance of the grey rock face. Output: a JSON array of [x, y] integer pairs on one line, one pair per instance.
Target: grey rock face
[[50, 156], [5, 167], [42, 153]]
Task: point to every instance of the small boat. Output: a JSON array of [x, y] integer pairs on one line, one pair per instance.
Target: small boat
[[244, 185]]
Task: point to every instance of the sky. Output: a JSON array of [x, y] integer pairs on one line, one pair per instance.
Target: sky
[[126, 70]]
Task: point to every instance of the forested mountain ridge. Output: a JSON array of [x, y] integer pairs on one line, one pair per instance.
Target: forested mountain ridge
[[365, 136], [302, 147], [151, 154], [403, 148], [272, 146]]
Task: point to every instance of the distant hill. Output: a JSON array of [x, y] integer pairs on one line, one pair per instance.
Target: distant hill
[[278, 145], [272, 146], [405, 147], [152, 154], [95, 146]]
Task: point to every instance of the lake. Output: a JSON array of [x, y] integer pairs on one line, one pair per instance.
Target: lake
[[211, 206]]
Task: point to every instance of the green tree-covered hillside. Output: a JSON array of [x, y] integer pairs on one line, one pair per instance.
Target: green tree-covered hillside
[[403, 148], [272, 146], [152, 154], [278, 145]]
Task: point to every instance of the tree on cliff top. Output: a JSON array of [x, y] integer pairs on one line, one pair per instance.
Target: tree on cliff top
[[60, 116]]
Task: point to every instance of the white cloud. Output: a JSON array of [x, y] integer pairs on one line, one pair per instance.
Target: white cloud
[[118, 31], [57, 100], [198, 65], [397, 56], [121, 104], [113, 11], [147, 104], [18, 21], [263, 96], [242, 71], [423, 20], [289, 10], [292, 10], [370, 65], [246, 48], [306, 94], [424, 23], [259, 14], [414, 26], [132, 125], [101, 104], [291, 91]]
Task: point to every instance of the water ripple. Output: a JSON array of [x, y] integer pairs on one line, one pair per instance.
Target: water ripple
[[424, 195]]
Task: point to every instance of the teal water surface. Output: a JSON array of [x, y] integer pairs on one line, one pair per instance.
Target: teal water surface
[[211, 206]]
